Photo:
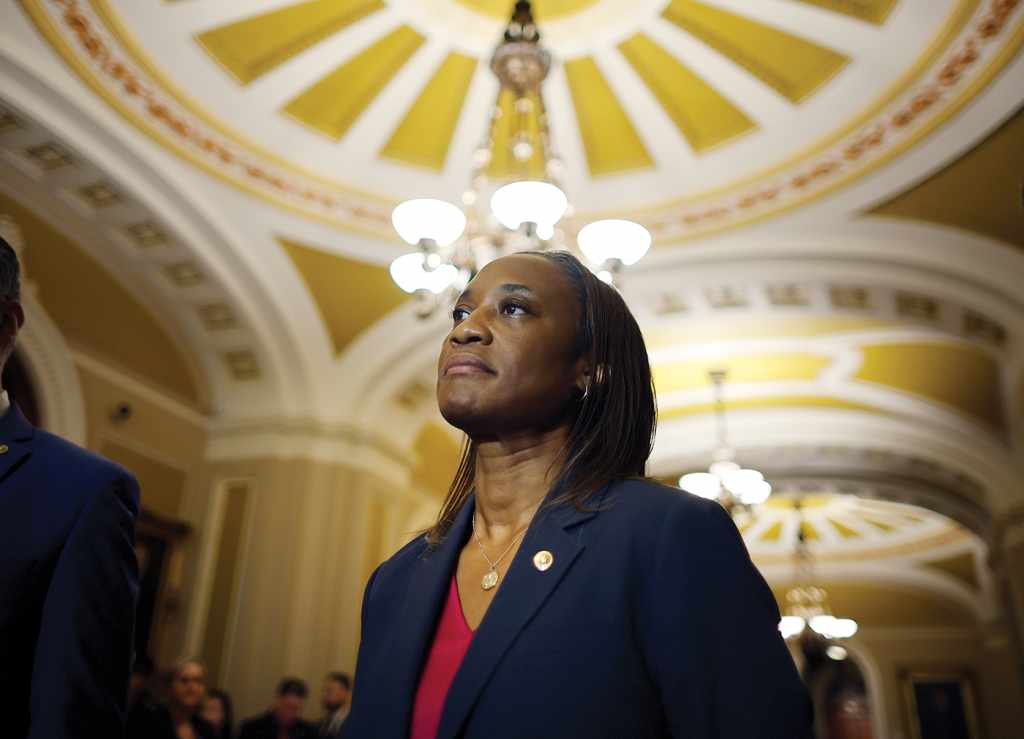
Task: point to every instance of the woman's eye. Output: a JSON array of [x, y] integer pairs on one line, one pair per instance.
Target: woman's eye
[[513, 309], [459, 314]]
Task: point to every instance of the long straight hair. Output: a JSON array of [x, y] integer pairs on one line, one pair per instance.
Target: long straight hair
[[613, 427]]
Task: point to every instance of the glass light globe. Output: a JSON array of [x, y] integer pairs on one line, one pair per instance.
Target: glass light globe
[[529, 201], [837, 652], [703, 484], [741, 481], [614, 239], [843, 628], [790, 626], [545, 231], [823, 624], [411, 273], [427, 218], [756, 493]]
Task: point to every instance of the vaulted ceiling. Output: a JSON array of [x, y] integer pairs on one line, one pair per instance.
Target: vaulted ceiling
[[833, 188]]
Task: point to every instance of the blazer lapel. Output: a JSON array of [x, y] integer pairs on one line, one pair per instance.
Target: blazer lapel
[[421, 609], [520, 596], [15, 440]]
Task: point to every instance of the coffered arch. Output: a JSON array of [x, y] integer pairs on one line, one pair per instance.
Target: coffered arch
[[171, 251]]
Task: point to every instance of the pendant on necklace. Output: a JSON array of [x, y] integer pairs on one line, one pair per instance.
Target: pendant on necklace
[[489, 580]]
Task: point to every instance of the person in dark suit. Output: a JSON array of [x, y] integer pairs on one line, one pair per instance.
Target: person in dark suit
[[560, 594], [68, 575], [284, 720], [334, 699]]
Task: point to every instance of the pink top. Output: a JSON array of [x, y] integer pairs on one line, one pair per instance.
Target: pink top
[[451, 642]]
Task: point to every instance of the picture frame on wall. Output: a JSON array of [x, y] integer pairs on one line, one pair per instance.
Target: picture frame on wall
[[941, 705]]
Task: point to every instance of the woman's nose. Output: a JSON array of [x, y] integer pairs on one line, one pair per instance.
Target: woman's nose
[[472, 329]]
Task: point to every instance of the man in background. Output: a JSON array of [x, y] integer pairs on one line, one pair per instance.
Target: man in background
[[337, 686], [68, 575], [283, 721]]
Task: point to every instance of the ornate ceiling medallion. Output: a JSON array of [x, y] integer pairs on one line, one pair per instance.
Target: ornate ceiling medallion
[[979, 38]]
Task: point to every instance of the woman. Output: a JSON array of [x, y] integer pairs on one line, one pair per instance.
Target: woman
[[559, 594], [179, 718], [217, 712]]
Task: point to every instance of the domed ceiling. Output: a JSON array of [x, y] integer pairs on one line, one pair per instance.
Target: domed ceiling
[[241, 160], [690, 116], [844, 527]]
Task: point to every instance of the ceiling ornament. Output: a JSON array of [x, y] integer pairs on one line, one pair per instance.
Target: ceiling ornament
[[526, 204], [735, 487], [977, 41]]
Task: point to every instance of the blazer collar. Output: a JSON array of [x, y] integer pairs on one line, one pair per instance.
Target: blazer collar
[[523, 592], [428, 587], [15, 436]]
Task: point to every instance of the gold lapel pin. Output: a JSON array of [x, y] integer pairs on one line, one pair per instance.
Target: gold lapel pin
[[543, 560], [4, 449]]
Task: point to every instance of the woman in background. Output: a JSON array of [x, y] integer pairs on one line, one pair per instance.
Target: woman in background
[[178, 717], [217, 712], [560, 594]]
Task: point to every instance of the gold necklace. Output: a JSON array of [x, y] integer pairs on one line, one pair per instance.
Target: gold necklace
[[490, 578]]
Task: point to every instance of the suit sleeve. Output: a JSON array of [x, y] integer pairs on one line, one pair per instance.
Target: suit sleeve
[[83, 659], [710, 636], [362, 665]]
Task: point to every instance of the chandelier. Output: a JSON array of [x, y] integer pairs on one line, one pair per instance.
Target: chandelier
[[806, 604], [514, 202], [733, 486]]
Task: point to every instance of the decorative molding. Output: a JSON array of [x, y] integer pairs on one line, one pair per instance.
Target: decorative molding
[[148, 246], [969, 53], [135, 386], [49, 362], [810, 298], [340, 444]]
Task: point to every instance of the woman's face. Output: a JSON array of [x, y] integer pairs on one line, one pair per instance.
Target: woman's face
[[213, 712], [188, 686], [507, 365]]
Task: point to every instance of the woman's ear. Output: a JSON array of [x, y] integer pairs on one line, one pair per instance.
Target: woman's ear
[[12, 319], [583, 378]]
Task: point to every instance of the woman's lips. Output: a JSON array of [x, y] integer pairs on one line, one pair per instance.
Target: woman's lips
[[466, 369], [466, 365]]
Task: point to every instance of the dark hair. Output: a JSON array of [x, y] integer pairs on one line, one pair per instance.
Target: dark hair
[[613, 430], [341, 678], [10, 272], [229, 713], [292, 686]]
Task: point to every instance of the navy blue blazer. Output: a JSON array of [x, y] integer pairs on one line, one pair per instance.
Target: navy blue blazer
[[68, 585], [651, 622]]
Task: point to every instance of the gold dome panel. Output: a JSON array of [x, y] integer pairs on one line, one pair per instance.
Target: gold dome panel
[[688, 116]]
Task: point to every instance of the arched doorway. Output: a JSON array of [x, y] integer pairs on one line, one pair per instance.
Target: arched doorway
[[842, 706]]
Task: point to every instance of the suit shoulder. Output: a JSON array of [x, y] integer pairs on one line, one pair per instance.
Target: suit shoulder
[[408, 554], [650, 499]]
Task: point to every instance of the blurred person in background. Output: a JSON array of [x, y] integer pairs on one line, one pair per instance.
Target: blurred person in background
[[284, 720], [178, 717], [337, 686], [141, 699], [218, 713]]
